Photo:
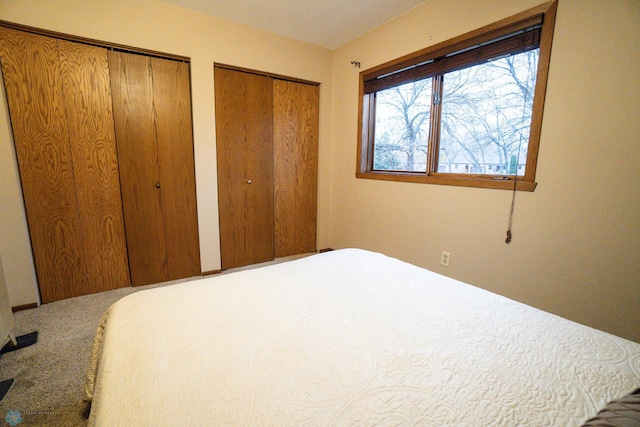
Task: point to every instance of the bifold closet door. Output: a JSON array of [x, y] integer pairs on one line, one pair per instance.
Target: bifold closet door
[[32, 78], [152, 111], [59, 101], [244, 129], [174, 132], [87, 95], [295, 148]]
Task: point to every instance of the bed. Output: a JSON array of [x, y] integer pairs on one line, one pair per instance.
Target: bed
[[343, 338]]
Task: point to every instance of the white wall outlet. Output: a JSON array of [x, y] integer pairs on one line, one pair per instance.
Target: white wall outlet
[[445, 258]]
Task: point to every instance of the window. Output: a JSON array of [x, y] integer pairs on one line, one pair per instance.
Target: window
[[463, 112]]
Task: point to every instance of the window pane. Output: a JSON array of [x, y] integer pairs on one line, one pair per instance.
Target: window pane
[[486, 116], [402, 127]]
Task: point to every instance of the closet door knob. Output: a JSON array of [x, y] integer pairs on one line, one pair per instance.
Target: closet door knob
[[158, 185], [248, 181]]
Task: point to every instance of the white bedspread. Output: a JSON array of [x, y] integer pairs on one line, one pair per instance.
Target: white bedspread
[[348, 338]]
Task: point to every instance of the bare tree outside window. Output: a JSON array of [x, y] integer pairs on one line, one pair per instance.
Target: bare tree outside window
[[402, 127], [486, 115], [464, 112]]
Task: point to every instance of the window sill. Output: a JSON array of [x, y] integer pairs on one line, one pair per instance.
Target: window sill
[[478, 181]]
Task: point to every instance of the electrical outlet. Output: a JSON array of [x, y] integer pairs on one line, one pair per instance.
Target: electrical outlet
[[445, 258]]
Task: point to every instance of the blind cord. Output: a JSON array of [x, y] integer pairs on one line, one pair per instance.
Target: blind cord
[[513, 205], [515, 184], [509, 237]]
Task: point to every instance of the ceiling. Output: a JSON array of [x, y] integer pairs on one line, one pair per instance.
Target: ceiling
[[327, 23]]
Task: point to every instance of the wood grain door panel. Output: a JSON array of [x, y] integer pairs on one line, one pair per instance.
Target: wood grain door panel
[[134, 117], [87, 96], [105, 148], [172, 101], [245, 167], [33, 85], [295, 139]]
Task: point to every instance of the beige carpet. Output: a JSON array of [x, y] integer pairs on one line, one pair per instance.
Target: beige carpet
[[49, 375]]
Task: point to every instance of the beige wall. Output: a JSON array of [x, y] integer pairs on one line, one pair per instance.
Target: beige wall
[[159, 26], [576, 239], [15, 247]]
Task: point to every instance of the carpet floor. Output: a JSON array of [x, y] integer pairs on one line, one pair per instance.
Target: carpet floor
[[49, 375]]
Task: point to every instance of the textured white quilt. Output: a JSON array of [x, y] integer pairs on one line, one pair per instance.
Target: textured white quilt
[[348, 338]]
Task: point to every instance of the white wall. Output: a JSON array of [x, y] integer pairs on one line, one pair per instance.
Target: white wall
[[166, 28], [576, 239]]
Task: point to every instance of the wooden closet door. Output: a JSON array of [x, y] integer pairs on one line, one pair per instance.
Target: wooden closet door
[[87, 99], [245, 167], [31, 72], [295, 142], [172, 101], [132, 93]]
